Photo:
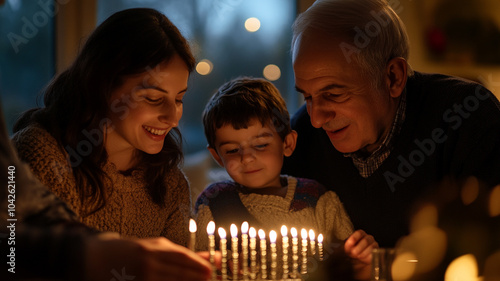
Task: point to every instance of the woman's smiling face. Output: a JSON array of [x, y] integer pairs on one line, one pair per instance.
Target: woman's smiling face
[[147, 106]]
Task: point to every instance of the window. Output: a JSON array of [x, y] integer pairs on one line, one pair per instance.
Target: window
[[26, 54], [229, 38]]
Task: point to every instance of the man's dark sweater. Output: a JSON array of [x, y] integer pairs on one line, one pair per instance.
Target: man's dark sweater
[[452, 128]]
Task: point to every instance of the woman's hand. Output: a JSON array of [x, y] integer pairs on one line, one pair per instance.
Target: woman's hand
[[143, 259]]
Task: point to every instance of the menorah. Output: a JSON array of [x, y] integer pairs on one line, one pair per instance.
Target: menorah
[[258, 260]]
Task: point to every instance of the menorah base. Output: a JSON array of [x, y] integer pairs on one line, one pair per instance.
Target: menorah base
[[249, 279], [260, 279]]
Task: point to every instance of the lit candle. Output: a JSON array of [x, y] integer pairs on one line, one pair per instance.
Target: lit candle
[[295, 252], [284, 235], [253, 253], [192, 237], [223, 249], [274, 255], [244, 248], [263, 254], [312, 239], [303, 269], [320, 246], [234, 246], [211, 246]]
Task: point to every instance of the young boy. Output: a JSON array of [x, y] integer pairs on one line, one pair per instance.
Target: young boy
[[247, 127]]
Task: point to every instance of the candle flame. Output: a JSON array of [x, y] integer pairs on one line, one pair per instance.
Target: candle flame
[[234, 230], [303, 233], [211, 228], [272, 236], [222, 233], [262, 234], [252, 232], [311, 235], [284, 231], [320, 238], [192, 226], [244, 227], [293, 231]]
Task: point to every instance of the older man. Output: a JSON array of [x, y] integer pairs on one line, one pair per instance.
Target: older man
[[373, 130]]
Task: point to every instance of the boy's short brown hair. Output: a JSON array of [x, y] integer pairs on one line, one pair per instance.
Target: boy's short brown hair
[[242, 99]]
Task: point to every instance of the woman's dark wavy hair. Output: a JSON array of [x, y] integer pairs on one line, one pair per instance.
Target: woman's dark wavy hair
[[77, 101]]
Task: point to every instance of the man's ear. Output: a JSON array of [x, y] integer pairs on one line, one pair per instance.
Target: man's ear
[[215, 155], [289, 143], [396, 76]]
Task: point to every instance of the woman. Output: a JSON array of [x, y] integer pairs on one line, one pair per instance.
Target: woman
[[106, 141]]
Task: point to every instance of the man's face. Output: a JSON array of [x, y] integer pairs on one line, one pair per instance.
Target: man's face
[[354, 115]]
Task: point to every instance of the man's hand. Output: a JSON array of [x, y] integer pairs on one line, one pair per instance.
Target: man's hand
[[359, 247]]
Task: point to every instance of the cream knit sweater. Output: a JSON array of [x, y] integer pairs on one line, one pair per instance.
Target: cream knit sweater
[[129, 209], [328, 217]]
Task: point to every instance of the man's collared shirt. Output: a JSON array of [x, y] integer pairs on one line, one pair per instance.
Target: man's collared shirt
[[367, 165]]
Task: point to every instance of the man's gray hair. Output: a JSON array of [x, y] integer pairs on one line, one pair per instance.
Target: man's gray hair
[[370, 30]]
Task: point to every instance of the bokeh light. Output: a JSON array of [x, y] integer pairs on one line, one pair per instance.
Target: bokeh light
[[404, 266], [470, 190], [494, 205], [463, 268], [426, 216], [204, 67], [428, 245], [491, 268], [272, 72], [252, 24]]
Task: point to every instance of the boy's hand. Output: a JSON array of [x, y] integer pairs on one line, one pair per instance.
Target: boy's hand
[[359, 247]]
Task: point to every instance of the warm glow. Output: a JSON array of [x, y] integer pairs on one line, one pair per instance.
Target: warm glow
[[192, 226], [427, 216], [272, 236], [272, 72], [403, 266], [491, 269], [234, 230], [222, 233], [293, 231], [211, 228], [284, 231], [252, 233], [252, 24], [320, 238], [204, 67], [303, 233], [244, 227], [262, 234], [463, 268], [312, 236], [428, 245], [470, 190], [494, 207]]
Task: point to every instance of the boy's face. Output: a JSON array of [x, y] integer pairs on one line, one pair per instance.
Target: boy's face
[[253, 156]]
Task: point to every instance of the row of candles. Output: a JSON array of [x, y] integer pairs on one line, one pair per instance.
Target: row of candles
[[249, 250]]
